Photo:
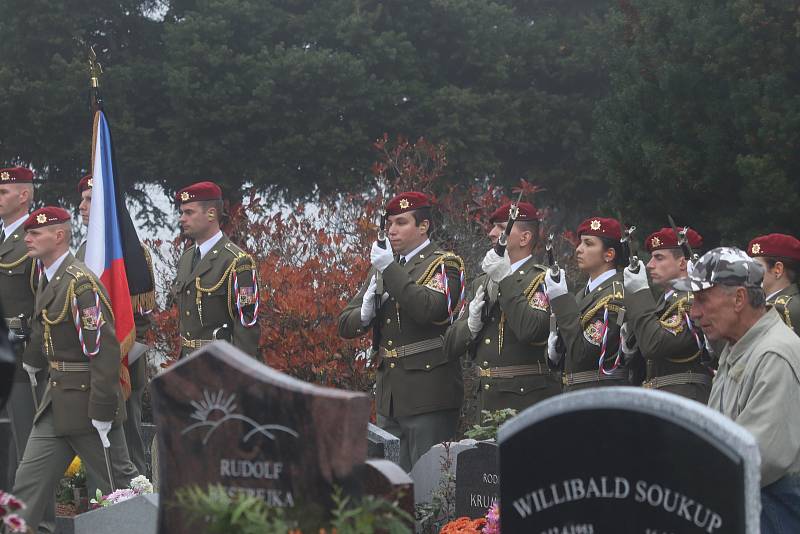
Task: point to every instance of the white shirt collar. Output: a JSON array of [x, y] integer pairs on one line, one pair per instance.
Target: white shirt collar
[[209, 244], [772, 295], [593, 284], [416, 250], [50, 272], [9, 229], [517, 264]]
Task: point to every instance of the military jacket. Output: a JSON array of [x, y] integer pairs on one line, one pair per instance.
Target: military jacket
[[77, 397], [17, 286], [665, 335], [514, 334], [580, 321], [786, 303], [221, 291], [142, 321], [416, 311]]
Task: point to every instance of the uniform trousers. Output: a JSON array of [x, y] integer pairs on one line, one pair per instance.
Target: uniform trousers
[[21, 412], [133, 423], [48, 455], [418, 433]]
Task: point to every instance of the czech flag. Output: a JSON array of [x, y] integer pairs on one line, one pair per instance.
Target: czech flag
[[113, 251]]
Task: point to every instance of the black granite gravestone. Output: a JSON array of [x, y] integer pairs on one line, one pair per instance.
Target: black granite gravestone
[[618, 460], [225, 418], [477, 480]]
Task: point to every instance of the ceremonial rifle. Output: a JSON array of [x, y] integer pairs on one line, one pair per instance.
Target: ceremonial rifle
[[382, 244], [628, 249], [683, 241], [376, 334], [551, 259], [500, 250]]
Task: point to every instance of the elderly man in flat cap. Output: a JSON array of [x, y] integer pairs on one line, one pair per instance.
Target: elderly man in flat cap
[[758, 381]]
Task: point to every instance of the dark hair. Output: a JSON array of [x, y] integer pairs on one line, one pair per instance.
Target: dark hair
[[619, 260], [532, 227], [216, 204], [423, 214], [790, 267]]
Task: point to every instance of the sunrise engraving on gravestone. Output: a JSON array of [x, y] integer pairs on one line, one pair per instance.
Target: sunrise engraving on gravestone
[[211, 413], [613, 460]]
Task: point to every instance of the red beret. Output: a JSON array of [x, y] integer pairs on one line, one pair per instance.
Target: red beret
[[666, 238], [775, 246], [199, 191], [408, 201], [85, 183], [16, 175], [45, 217], [526, 213], [600, 227]]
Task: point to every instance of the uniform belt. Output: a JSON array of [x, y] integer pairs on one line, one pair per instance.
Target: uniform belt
[[584, 377], [14, 323], [677, 379], [412, 348], [195, 343], [510, 371], [70, 367]]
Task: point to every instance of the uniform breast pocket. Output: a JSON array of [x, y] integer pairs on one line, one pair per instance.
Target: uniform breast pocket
[[18, 270], [521, 385], [426, 361]]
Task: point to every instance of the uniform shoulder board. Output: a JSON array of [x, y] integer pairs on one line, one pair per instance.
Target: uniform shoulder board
[[243, 260], [540, 267], [83, 280], [783, 300], [77, 273], [618, 289], [234, 249]]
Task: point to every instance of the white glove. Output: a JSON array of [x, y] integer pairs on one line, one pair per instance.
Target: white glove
[[552, 353], [381, 257], [368, 310], [497, 267], [635, 281], [31, 370], [103, 428], [628, 348], [474, 321], [555, 289]]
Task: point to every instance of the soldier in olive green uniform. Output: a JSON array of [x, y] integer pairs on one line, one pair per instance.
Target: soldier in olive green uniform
[[779, 254], [509, 343], [588, 322], [82, 408], [671, 344], [17, 290], [143, 305], [216, 288], [419, 388]]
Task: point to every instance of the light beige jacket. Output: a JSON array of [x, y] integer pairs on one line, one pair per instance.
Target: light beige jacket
[[758, 386]]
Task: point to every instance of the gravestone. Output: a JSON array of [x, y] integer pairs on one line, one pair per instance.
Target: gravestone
[[382, 444], [622, 459], [225, 418], [432, 467], [384, 478], [134, 516], [477, 479]]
